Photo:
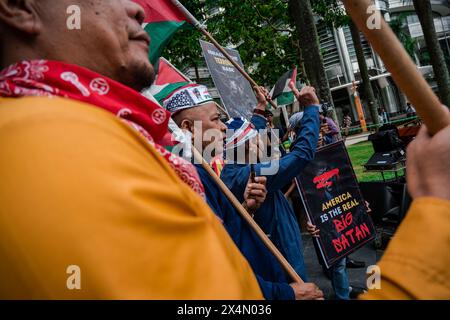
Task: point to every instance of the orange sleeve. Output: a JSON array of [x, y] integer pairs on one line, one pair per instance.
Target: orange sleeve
[[79, 187], [416, 263]]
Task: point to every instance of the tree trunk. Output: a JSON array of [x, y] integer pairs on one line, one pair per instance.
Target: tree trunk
[[197, 74], [425, 14], [367, 86], [302, 15]]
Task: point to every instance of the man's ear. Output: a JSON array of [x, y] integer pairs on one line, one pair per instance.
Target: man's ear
[[21, 15], [187, 125]]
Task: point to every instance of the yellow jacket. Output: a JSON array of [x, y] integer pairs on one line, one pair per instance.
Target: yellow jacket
[[416, 264], [80, 188]]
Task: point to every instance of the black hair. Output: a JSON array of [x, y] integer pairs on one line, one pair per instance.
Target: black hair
[[268, 113]]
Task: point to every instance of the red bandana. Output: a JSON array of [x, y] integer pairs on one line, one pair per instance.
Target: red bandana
[[51, 78]]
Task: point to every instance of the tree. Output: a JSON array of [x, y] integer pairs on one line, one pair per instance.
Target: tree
[[334, 15], [303, 18], [261, 34], [425, 14], [398, 27], [184, 50], [364, 72]]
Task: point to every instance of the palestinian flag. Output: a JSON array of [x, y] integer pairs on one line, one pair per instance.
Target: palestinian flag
[[281, 93], [168, 80], [162, 20]]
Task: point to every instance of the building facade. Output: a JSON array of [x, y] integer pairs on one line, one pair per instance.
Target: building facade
[[342, 66]]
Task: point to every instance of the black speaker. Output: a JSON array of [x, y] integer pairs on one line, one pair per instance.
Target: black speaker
[[385, 196], [385, 141], [384, 160]]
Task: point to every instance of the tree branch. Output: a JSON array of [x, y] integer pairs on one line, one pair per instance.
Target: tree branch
[[267, 20]]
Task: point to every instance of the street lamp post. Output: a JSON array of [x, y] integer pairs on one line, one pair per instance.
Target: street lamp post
[[359, 108]]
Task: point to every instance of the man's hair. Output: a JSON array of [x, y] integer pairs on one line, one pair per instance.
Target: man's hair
[[179, 116]]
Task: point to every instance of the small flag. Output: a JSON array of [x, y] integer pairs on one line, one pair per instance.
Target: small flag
[[281, 93], [167, 80], [162, 20]]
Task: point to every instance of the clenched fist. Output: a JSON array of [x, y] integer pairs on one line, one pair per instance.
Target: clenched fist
[[307, 95], [255, 193]]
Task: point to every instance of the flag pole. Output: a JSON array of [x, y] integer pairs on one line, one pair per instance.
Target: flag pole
[[400, 64], [247, 217], [203, 30]]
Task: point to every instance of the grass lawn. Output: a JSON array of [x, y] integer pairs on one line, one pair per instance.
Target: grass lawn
[[360, 153]]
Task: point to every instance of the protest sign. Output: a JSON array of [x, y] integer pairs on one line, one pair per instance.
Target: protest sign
[[235, 91], [333, 202]]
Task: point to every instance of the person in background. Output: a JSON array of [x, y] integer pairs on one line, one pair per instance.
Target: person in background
[[410, 111], [276, 216], [346, 122], [383, 116], [330, 130], [274, 137], [269, 117], [380, 116]]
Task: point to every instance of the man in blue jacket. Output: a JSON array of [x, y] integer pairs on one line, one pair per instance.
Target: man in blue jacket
[[199, 117], [276, 216]]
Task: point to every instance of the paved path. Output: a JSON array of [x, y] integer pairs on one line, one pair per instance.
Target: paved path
[[357, 139]]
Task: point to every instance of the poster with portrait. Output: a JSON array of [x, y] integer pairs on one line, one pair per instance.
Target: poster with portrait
[[334, 203], [235, 91]]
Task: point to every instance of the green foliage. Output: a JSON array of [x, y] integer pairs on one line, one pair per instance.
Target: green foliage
[[398, 25], [331, 12], [184, 50], [259, 30]]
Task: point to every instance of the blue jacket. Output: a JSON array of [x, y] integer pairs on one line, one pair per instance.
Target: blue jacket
[[270, 275], [276, 216]]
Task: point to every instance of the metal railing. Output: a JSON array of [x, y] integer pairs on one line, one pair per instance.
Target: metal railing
[[373, 127]]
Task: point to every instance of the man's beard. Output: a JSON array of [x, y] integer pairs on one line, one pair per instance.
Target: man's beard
[[138, 76]]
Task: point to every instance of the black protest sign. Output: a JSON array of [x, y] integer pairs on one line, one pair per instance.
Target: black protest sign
[[235, 91], [333, 202]]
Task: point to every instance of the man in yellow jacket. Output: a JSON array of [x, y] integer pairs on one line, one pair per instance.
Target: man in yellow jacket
[[416, 263]]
